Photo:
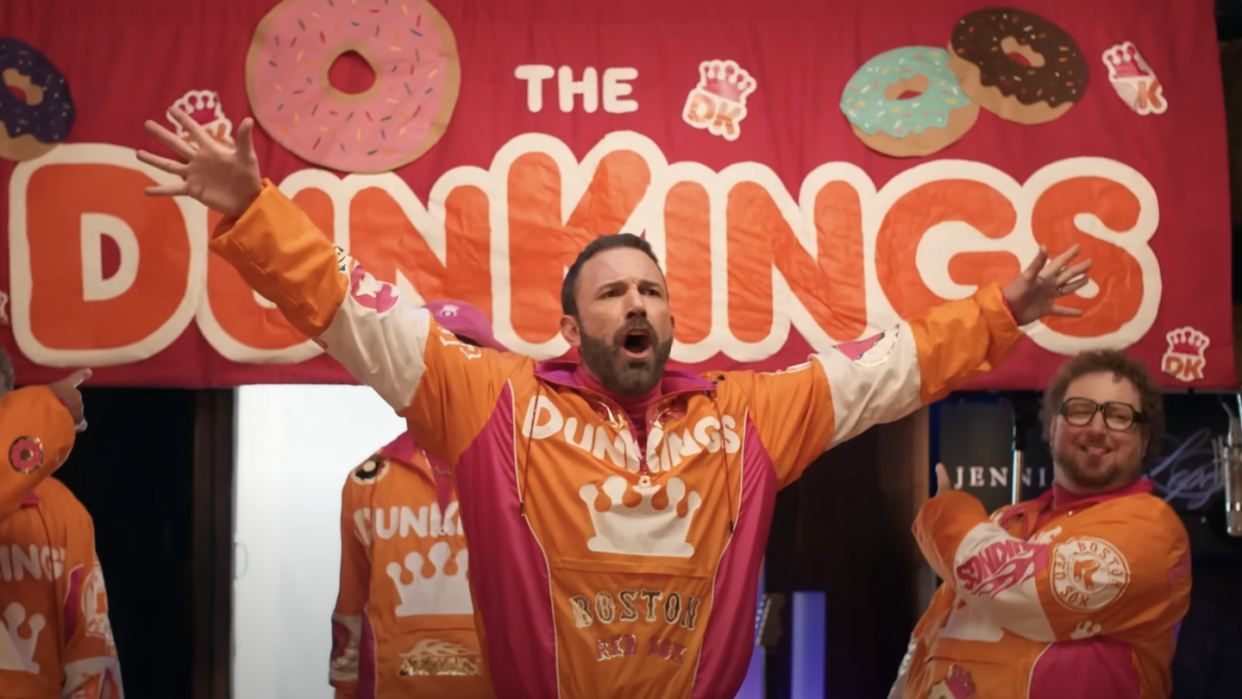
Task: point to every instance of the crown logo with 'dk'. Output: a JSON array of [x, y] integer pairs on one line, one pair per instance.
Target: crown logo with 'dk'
[[641, 530], [16, 652], [442, 592], [1185, 358], [206, 109], [1133, 80], [718, 102]]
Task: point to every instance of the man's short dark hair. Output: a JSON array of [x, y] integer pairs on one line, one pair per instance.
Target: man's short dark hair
[[6, 373], [569, 288], [1118, 364]]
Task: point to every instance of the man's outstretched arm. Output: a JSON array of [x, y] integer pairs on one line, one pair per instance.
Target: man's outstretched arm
[[842, 392], [443, 387]]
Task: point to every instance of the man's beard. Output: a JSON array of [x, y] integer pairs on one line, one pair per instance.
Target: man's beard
[[626, 377], [1090, 479]]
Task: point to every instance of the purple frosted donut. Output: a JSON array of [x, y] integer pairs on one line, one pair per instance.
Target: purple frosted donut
[[36, 125]]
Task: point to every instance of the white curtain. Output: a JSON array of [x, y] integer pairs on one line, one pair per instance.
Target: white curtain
[[295, 447]]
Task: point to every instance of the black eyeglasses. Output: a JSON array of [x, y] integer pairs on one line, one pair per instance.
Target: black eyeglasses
[[1118, 417]]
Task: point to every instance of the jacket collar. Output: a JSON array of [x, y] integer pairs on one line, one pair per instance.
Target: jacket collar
[[563, 373], [1059, 498]]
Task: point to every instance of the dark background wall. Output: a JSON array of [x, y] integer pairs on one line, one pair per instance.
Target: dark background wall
[[133, 470], [154, 469]]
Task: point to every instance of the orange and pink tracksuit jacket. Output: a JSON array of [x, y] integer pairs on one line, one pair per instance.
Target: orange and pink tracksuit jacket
[[36, 436], [601, 567], [404, 620], [55, 638], [1042, 601]]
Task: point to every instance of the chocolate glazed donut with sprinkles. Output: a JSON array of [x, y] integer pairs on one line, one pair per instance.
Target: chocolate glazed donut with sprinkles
[[35, 107], [1017, 65]]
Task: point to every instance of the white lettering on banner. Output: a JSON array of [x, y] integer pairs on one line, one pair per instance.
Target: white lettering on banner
[[544, 420], [95, 227], [534, 75], [615, 86], [18, 562], [588, 87], [393, 521], [933, 245]]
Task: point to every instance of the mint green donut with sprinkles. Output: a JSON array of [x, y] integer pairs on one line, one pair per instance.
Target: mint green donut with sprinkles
[[929, 113]]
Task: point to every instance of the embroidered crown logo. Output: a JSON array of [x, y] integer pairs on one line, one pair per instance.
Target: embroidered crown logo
[[959, 683], [205, 108], [1185, 358], [726, 80], [642, 530], [442, 592], [16, 652]]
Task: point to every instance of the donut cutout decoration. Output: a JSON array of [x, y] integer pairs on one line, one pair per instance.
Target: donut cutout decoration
[[906, 103], [408, 46], [26, 454], [40, 120], [1017, 65]]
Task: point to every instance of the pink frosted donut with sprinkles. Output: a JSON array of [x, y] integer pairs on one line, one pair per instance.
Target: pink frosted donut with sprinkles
[[405, 111]]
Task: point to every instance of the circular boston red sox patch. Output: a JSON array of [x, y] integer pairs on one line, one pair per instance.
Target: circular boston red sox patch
[[26, 454], [1088, 573]]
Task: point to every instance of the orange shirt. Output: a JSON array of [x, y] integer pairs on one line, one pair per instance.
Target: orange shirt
[[601, 566], [1075, 601], [404, 621], [55, 639], [36, 434]]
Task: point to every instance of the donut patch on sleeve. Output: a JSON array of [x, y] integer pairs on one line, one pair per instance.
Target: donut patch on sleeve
[[393, 114], [1017, 65], [906, 103], [42, 117], [371, 471]]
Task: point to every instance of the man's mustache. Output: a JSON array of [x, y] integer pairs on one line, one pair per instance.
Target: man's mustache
[[618, 338]]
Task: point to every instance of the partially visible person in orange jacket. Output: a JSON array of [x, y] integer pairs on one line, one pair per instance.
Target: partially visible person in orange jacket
[[37, 429], [1077, 594], [55, 638], [404, 622]]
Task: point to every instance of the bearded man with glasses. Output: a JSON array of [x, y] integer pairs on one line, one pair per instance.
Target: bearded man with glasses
[[1076, 594]]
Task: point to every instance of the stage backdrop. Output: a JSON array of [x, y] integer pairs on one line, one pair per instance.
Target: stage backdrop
[[808, 172]]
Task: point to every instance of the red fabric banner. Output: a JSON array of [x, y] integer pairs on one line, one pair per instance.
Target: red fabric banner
[[808, 172]]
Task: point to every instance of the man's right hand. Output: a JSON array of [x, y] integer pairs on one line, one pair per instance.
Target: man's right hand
[[221, 178], [67, 391]]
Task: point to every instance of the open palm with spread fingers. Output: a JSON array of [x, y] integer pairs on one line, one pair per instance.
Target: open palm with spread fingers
[[221, 178], [1034, 293]]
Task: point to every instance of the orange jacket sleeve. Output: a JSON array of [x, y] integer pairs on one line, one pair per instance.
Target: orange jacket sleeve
[[803, 411], [1128, 574], [36, 434], [351, 600], [444, 388], [92, 670]]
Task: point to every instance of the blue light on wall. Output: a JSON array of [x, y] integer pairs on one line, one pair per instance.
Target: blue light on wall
[[809, 628]]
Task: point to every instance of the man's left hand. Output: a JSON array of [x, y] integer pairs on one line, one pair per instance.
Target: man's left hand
[[943, 483], [1034, 293]]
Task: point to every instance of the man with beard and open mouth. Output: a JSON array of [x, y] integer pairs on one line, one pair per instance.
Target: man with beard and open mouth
[[617, 511], [1077, 593]]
